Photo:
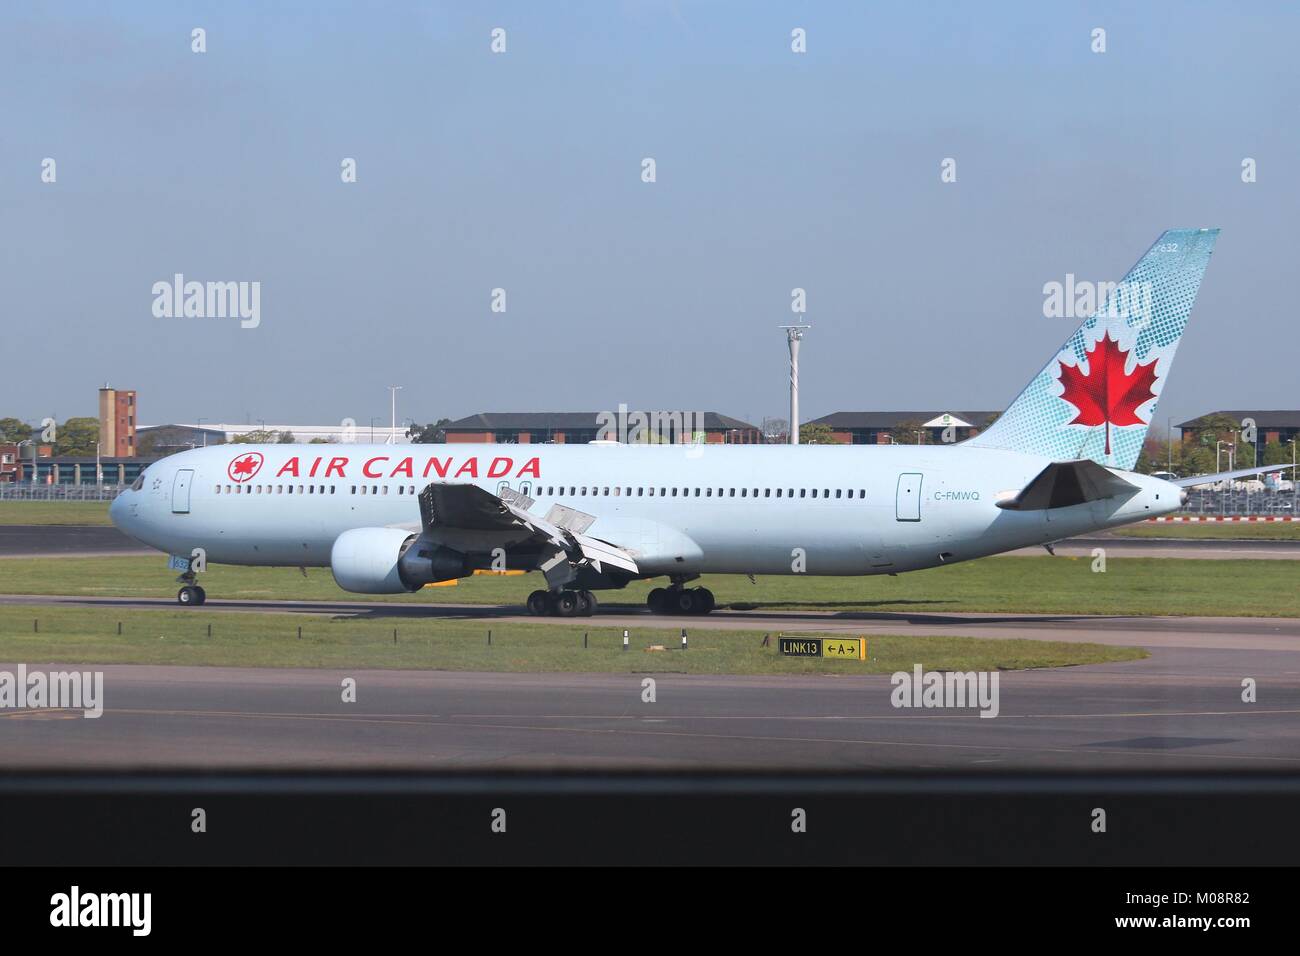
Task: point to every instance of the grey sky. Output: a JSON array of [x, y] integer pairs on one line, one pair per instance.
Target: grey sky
[[522, 171]]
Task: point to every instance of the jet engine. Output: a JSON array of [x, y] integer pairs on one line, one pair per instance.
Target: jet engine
[[390, 561]]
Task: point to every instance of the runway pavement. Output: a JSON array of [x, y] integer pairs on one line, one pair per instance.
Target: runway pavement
[[1181, 708], [65, 541]]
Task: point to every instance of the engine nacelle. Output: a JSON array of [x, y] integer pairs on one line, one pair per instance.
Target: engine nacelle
[[391, 561]]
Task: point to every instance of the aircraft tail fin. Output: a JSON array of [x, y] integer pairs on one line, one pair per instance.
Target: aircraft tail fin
[[1097, 396]]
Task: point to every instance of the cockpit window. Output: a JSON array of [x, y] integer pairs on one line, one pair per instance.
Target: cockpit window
[[139, 482]]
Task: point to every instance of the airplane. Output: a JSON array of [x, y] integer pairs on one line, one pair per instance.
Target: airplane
[[388, 519]]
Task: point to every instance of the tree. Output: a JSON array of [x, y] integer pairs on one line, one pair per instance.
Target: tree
[[1276, 453], [816, 434], [78, 437], [904, 433], [1210, 429], [776, 431], [14, 430], [429, 434], [263, 436]]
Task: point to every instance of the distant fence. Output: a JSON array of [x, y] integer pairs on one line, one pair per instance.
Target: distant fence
[[1266, 503], [22, 491]]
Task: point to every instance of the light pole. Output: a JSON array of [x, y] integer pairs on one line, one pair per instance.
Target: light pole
[[793, 336], [1216, 454], [888, 438], [99, 472], [205, 434], [1294, 483], [392, 431], [372, 429], [919, 433]]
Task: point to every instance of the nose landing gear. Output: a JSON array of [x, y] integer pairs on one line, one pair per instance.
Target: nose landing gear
[[190, 593]]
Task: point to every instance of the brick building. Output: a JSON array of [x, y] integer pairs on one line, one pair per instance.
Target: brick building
[[117, 422], [877, 428]]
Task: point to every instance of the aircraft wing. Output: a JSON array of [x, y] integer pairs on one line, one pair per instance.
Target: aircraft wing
[[1226, 475], [1065, 483], [468, 508]]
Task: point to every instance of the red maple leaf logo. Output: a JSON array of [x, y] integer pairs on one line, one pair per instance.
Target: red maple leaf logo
[[245, 467], [1107, 395]]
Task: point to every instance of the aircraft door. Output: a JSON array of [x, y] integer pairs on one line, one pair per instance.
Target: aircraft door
[[908, 501], [181, 491]]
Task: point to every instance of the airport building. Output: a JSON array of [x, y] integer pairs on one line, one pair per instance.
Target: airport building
[[171, 438], [1274, 426], [523, 428], [881, 428], [69, 469]]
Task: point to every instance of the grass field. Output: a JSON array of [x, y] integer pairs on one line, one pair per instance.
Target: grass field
[[84, 636], [1214, 530], [54, 512], [1060, 585]]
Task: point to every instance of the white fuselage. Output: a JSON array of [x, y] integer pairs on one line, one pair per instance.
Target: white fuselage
[[679, 509]]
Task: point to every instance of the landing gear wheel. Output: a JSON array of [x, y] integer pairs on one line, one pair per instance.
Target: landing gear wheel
[[704, 602], [655, 600], [187, 596], [566, 603], [537, 603], [200, 595], [586, 604]]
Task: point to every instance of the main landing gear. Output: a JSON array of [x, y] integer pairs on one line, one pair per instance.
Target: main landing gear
[[562, 603], [190, 593], [680, 600]]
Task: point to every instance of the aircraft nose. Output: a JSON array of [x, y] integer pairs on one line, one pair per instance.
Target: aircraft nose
[[117, 511]]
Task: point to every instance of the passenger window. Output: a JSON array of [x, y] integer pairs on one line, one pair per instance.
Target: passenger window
[[744, 492], [218, 490], [837, 492], [814, 492], [732, 493]]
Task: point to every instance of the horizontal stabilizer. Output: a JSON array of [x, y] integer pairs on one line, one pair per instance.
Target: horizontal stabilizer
[[1065, 483]]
